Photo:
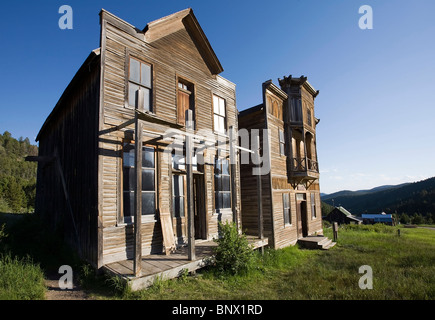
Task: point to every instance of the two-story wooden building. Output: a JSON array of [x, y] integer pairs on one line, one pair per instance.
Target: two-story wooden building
[[290, 191], [86, 172]]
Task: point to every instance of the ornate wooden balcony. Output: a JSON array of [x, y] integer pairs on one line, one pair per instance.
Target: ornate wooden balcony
[[304, 168]]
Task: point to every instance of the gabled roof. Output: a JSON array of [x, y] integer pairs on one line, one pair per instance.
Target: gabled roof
[[184, 19]]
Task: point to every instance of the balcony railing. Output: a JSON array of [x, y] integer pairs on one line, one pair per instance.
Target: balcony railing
[[304, 164]]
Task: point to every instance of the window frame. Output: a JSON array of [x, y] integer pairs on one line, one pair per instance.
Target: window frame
[[187, 88], [219, 115], [183, 177], [129, 81], [281, 134], [313, 206], [151, 217], [217, 176], [287, 215]]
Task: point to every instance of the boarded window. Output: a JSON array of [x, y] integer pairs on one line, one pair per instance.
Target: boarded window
[[222, 182], [148, 189], [185, 101], [286, 208], [139, 85], [219, 114], [281, 143]]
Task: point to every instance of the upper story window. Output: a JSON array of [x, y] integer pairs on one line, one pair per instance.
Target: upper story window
[[219, 114], [309, 122], [139, 85], [281, 142], [296, 110], [185, 100]]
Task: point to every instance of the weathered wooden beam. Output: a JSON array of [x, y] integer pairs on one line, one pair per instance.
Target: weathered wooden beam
[[137, 267], [259, 195], [154, 119], [189, 193], [233, 175], [39, 158]]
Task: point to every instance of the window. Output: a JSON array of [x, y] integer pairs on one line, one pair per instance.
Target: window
[[309, 122], [185, 100], [219, 119], [286, 208], [178, 196], [313, 206], [139, 85], [281, 143], [222, 184], [148, 180], [296, 110]]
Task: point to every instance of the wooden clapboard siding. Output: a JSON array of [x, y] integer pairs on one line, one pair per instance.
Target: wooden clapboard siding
[[70, 134], [273, 115], [172, 57]]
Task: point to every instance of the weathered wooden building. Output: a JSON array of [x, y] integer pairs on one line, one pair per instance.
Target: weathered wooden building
[[342, 216], [290, 194], [87, 166]]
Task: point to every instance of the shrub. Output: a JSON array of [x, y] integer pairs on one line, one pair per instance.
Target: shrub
[[233, 255]]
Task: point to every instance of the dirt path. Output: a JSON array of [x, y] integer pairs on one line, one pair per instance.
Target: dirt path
[[56, 293]]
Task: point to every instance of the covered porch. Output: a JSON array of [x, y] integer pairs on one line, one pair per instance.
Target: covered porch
[[161, 266]]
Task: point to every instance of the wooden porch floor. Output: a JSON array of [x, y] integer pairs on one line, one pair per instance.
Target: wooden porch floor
[[160, 266]]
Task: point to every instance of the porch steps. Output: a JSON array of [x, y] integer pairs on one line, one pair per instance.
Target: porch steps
[[316, 242]]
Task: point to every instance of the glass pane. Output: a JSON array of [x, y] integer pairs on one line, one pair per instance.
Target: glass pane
[[146, 75], [146, 99], [132, 96], [178, 185], [178, 162], [129, 179], [225, 166], [285, 200], [128, 155], [221, 124], [225, 183], [181, 207], [218, 200], [148, 157], [128, 204], [134, 70], [216, 123], [148, 182], [215, 104], [148, 203], [286, 216], [226, 200], [222, 107]]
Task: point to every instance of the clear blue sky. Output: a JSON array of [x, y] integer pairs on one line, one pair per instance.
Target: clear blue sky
[[376, 101]]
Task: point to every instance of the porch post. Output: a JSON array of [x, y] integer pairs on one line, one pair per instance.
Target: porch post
[[233, 176], [259, 195], [189, 193], [137, 267]]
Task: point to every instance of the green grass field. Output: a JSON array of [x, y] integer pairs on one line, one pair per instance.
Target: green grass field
[[403, 268]]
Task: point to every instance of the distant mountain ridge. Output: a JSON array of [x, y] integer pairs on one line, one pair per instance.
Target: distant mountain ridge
[[410, 198], [344, 193]]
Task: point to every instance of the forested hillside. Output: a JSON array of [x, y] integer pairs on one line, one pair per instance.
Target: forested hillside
[[414, 201], [17, 176]]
